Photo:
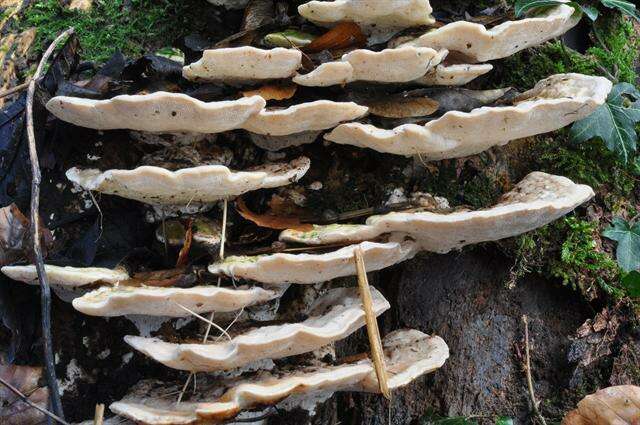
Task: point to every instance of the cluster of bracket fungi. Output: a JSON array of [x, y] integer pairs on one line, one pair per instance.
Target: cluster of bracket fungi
[[451, 55]]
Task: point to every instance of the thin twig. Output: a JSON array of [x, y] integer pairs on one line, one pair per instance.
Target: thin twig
[[377, 355], [52, 382], [15, 89], [26, 400], [527, 367], [98, 418], [204, 319]]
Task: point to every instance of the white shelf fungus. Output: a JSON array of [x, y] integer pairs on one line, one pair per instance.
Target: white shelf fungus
[[157, 112], [66, 276], [203, 184], [553, 103], [314, 268], [478, 44], [387, 13], [244, 64], [170, 302], [409, 354], [537, 200], [333, 317]]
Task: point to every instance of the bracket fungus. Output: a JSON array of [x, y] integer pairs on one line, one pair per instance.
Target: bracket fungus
[[310, 116], [244, 64], [553, 103], [156, 112], [121, 300], [477, 44], [314, 268], [399, 65], [409, 354], [537, 200], [203, 184], [376, 13], [66, 276], [453, 75], [334, 316]]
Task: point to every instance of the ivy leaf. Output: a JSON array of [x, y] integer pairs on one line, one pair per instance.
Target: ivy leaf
[[623, 6], [614, 122], [631, 283], [524, 6], [591, 12], [628, 238]]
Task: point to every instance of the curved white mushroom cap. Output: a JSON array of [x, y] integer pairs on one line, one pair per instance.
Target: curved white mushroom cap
[[157, 301], [159, 111], [454, 75], [335, 316], [537, 200], [310, 116], [314, 268], [326, 74], [207, 183], [482, 45], [552, 104], [244, 63], [409, 355], [387, 13], [65, 276]]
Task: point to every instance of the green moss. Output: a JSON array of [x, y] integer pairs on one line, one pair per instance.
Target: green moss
[[617, 48], [569, 250], [109, 26]]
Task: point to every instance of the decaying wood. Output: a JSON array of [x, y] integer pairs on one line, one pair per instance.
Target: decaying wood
[[52, 382], [377, 355]]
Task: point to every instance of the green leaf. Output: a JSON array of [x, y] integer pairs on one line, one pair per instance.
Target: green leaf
[[524, 6], [628, 238], [614, 122], [631, 284], [623, 6], [504, 420]]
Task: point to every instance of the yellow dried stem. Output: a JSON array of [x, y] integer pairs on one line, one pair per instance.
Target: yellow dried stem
[[377, 354]]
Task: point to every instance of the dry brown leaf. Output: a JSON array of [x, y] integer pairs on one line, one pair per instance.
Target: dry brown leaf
[[14, 411], [273, 92], [610, 406], [271, 221], [343, 35], [161, 278], [403, 107]]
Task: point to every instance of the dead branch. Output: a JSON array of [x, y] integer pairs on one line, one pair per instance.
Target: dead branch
[[99, 415], [14, 90], [372, 325], [26, 400], [527, 367], [45, 290]]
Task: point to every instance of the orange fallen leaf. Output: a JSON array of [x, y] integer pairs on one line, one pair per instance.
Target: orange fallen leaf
[[343, 35], [271, 221], [14, 411], [273, 92]]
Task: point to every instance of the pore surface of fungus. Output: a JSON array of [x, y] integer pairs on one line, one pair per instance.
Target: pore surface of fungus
[[158, 112], [207, 183], [387, 13], [170, 302], [553, 103], [66, 276], [334, 316], [310, 116], [478, 44], [244, 64], [409, 354], [314, 268], [537, 200]]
